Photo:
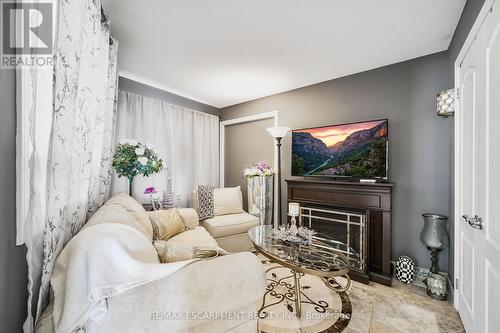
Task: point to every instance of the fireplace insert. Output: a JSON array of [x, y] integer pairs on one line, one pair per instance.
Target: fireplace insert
[[346, 226]]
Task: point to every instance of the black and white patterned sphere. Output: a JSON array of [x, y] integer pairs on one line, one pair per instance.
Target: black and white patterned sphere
[[405, 269]]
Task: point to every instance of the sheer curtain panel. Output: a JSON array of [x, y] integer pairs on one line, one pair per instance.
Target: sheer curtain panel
[[187, 140], [66, 136]]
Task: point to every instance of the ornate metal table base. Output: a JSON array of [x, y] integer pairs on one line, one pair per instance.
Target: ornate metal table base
[[293, 292], [334, 285]]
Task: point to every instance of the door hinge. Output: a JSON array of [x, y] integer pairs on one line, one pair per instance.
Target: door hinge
[[458, 93], [456, 283]]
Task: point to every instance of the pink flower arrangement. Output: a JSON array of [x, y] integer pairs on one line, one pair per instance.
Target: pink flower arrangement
[[259, 169], [150, 190]]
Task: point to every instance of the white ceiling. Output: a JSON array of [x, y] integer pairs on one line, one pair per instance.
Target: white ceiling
[[224, 52]]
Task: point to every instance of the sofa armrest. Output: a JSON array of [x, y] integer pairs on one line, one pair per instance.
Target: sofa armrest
[[225, 284], [189, 217]]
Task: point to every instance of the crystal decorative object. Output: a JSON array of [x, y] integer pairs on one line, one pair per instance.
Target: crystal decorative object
[[301, 235]]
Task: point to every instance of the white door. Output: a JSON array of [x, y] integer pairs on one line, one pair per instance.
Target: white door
[[478, 180]]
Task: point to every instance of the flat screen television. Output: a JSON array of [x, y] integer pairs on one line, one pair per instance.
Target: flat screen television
[[357, 150]]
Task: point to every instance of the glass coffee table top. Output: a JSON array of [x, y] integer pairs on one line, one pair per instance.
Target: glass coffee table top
[[325, 256]]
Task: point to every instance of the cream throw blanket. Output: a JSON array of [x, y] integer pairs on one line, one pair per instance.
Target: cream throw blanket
[[102, 261]]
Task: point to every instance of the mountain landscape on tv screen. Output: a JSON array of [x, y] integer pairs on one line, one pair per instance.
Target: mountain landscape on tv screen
[[360, 151]]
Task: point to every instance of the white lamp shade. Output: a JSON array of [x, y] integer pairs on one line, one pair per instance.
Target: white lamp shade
[[278, 132]]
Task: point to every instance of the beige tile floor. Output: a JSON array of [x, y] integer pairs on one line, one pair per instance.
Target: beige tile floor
[[400, 308]]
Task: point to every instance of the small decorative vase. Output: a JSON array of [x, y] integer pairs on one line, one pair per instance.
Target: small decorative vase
[[168, 199], [260, 198], [434, 235], [437, 286], [405, 269]]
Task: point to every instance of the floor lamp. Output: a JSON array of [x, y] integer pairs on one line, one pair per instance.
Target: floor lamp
[[278, 133]]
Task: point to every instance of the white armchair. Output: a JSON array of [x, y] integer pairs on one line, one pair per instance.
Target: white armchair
[[230, 223]]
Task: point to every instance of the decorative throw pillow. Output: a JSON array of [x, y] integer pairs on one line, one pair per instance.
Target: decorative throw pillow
[[169, 252], [189, 217], [166, 223], [205, 202]]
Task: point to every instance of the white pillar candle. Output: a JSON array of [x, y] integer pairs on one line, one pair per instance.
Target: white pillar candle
[[293, 208]]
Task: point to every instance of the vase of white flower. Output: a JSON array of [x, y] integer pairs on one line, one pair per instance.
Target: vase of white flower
[[260, 184], [133, 158]]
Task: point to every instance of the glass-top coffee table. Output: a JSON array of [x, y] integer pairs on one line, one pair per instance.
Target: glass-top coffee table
[[324, 257]]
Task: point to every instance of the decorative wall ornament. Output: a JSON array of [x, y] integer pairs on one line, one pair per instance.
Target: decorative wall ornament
[[445, 103]]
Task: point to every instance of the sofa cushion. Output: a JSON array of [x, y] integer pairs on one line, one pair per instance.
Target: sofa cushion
[[135, 209], [123, 209], [181, 246], [228, 200], [166, 223], [228, 225]]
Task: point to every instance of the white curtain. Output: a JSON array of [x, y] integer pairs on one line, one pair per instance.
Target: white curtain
[[70, 153], [187, 140]]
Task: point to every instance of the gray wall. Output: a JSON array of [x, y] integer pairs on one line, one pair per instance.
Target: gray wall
[[162, 95], [469, 15], [419, 140], [237, 159], [14, 272]]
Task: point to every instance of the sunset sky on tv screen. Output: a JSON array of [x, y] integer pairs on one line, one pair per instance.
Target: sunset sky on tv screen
[[333, 134]]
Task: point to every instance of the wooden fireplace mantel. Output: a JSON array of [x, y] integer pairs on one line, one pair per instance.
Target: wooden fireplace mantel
[[373, 198]]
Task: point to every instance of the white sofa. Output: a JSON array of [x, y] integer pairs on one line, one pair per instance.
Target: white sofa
[[230, 284], [230, 223]]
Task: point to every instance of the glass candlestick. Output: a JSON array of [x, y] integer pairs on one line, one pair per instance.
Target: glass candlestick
[[293, 225]]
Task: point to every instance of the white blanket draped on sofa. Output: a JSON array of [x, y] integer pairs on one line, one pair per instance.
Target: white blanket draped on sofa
[[121, 259], [187, 140]]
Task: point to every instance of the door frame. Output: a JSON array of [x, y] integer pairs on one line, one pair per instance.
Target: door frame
[[471, 37], [222, 144]]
